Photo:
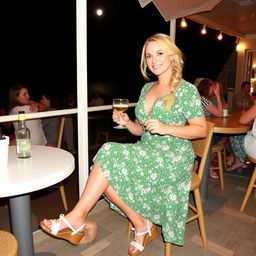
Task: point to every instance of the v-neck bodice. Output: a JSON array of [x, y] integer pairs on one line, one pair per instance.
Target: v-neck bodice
[[159, 99], [179, 111]]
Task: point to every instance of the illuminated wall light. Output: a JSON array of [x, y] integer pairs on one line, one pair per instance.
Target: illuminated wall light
[[183, 23], [204, 31], [240, 47], [220, 36]]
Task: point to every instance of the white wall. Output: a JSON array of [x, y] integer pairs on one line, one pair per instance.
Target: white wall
[[248, 43]]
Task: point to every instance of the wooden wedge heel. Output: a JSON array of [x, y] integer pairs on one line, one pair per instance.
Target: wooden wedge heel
[[74, 236]]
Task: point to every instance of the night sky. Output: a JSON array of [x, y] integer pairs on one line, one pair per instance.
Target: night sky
[[40, 46]]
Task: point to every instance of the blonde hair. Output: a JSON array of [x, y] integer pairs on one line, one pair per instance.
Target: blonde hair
[[169, 48]]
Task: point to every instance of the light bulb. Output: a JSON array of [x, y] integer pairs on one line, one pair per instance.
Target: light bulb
[[99, 12], [183, 22], [204, 31], [220, 36]]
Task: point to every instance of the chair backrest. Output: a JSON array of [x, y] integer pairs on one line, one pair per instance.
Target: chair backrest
[[251, 159], [201, 148], [61, 129]]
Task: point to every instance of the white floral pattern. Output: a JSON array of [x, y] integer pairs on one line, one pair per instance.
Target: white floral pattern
[[153, 175]]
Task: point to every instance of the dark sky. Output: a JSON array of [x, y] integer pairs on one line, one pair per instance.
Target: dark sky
[[40, 39]]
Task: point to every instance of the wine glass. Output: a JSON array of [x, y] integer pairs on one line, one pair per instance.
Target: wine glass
[[120, 105]]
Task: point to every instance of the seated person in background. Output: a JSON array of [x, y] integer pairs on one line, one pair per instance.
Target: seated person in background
[[51, 124], [207, 89], [19, 100], [96, 100], [223, 101], [7, 127], [243, 145], [243, 100]]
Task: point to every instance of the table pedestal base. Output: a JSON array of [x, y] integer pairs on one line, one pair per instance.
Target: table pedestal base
[[21, 224]]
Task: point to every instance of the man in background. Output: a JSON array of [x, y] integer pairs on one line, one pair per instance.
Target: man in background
[[243, 100]]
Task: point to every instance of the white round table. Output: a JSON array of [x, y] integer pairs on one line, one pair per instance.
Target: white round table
[[46, 167]]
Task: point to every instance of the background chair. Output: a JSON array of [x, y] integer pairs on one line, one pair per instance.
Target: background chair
[[60, 185], [201, 148], [8, 244], [250, 186]]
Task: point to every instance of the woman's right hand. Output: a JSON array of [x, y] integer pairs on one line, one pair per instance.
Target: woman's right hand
[[216, 89], [120, 118], [33, 106]]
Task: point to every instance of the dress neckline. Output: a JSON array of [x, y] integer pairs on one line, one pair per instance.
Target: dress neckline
[[147, 114]]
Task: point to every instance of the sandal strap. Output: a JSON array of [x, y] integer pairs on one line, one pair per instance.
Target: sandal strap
[[142, 233], [56, 226], [137, 245]]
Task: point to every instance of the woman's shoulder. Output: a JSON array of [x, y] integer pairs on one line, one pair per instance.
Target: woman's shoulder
[[16, 109], [186, 84], [146, 87], [187, 87]]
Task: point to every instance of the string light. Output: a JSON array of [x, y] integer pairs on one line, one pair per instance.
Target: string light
[[183, 23], [99, 12], [204, 31], [220, 36]]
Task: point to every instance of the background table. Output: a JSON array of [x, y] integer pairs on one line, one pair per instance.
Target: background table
[[224, 125], [229, 124], [46, 167]]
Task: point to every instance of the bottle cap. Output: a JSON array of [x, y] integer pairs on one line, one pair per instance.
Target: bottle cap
[[21, 115]]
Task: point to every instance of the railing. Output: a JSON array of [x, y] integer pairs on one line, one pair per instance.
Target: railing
[[61, 112]]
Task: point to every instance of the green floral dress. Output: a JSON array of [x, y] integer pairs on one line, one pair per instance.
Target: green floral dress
[[153, 175]]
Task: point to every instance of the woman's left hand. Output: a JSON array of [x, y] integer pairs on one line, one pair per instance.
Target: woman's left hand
[[155, 126]]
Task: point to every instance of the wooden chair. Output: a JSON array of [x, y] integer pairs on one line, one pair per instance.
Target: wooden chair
[[250, 186], [201, 148], [220, 149], [60, 185], [8, 244]]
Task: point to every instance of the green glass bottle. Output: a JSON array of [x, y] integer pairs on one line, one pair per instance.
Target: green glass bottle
[[23, 143]]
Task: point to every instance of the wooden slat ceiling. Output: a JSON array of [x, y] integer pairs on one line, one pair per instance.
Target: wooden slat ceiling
[[233, 17]]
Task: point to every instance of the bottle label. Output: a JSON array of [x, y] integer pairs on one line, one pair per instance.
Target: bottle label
[[23, 148]]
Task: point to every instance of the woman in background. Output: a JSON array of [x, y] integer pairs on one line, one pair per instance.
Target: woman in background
[[208, 89], [19, 100], [214, 98], [243, 145]]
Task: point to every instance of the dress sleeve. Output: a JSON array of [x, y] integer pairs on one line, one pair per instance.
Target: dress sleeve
[[192, 107]]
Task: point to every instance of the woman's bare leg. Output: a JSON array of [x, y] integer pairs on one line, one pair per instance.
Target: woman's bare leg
[[139, 222], [96, 185]]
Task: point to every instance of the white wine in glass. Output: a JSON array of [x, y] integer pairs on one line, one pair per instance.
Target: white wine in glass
[[120, 105]]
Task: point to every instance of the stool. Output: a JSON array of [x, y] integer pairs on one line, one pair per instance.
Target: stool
[[220, 149], [8, 244], [250, 186]]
